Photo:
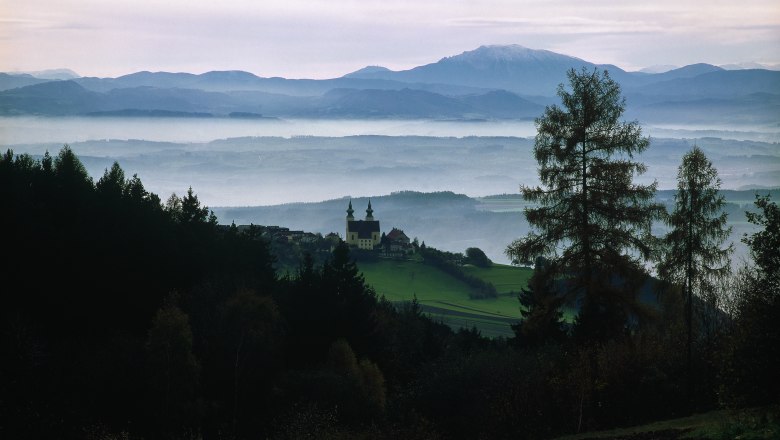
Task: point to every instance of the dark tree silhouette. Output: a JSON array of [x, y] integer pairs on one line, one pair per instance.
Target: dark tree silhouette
[[592, 221], [355, 302], [251, 325], [173, 369], [692, 255], [753, 352], [541, 310], [192, 212], [765, 244], [70, 171], [112, 184], [477, 257]]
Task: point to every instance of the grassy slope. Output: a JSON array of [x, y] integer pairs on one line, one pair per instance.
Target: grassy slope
[[507, 279], [756, 423], [447, 298]]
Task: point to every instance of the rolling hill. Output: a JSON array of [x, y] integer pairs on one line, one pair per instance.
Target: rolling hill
[[12, 81], [490, 82], [446, 298], [59, 98]]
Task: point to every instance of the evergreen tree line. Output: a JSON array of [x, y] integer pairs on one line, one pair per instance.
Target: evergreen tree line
[[592, 246], [125, 315]]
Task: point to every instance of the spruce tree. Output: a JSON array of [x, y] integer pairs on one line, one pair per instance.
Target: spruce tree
[[591, 221]]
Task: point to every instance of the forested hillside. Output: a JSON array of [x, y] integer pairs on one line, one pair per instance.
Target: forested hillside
[[124, 316]]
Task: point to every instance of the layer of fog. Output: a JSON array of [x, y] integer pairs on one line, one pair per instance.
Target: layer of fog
[[250, 163], [58, 130], [454, 223]]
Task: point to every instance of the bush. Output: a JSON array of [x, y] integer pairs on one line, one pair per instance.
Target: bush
[[477, 257]]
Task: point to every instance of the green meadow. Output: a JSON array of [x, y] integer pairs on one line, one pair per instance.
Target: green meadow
[[446, 298]]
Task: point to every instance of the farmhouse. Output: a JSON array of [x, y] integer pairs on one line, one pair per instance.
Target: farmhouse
[[397, 241], [362, 233]]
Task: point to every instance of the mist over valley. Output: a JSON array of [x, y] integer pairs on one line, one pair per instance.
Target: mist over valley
[[274, 165], [462, 126]]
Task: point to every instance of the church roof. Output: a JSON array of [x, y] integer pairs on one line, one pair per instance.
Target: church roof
[[364, 228]]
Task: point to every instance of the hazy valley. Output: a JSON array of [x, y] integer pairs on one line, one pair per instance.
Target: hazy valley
[[283, 168], [134, 307]]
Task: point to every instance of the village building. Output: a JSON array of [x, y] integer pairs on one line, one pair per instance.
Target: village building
[[397, 241], [364, 234]]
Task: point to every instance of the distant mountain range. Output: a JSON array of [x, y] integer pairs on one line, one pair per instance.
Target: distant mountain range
[[491, 82]]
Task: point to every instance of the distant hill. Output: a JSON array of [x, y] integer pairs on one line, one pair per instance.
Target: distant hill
[[756, 108], [514, 68], [57, 98], [490, 82], [750, 65], [401, 103], [367, 72], [715, 84], [50, 74], [445, 220], [230, 81], [150, 114], [689, 71], [12, 81], [503, 104], [658, 68], [521, 70]]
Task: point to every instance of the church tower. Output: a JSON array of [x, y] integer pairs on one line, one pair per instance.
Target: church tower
[[363, 234], [350, 218]]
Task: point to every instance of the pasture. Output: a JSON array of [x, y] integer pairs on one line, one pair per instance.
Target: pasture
[[446, 298]]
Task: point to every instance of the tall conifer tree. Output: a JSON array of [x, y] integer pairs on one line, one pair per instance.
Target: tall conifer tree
[[693, 255], [592, 221]]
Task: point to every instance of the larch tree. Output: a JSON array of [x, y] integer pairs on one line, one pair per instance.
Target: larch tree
[[693, 254], [591, 221]]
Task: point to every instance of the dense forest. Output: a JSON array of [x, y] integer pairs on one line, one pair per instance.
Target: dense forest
[[126, 316]]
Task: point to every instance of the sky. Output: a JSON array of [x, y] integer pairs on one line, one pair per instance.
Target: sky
[[329, 38]]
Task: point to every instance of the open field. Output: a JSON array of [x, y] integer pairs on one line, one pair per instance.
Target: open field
[[447, 298], [507, 279]]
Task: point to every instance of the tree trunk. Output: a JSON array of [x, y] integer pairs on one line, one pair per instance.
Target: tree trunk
[[689, 296], [235, 385]]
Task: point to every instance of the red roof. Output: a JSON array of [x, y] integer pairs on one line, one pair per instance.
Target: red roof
[[397, 234]]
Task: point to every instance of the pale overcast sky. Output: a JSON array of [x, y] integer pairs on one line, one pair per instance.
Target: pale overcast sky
[[328, 38]]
